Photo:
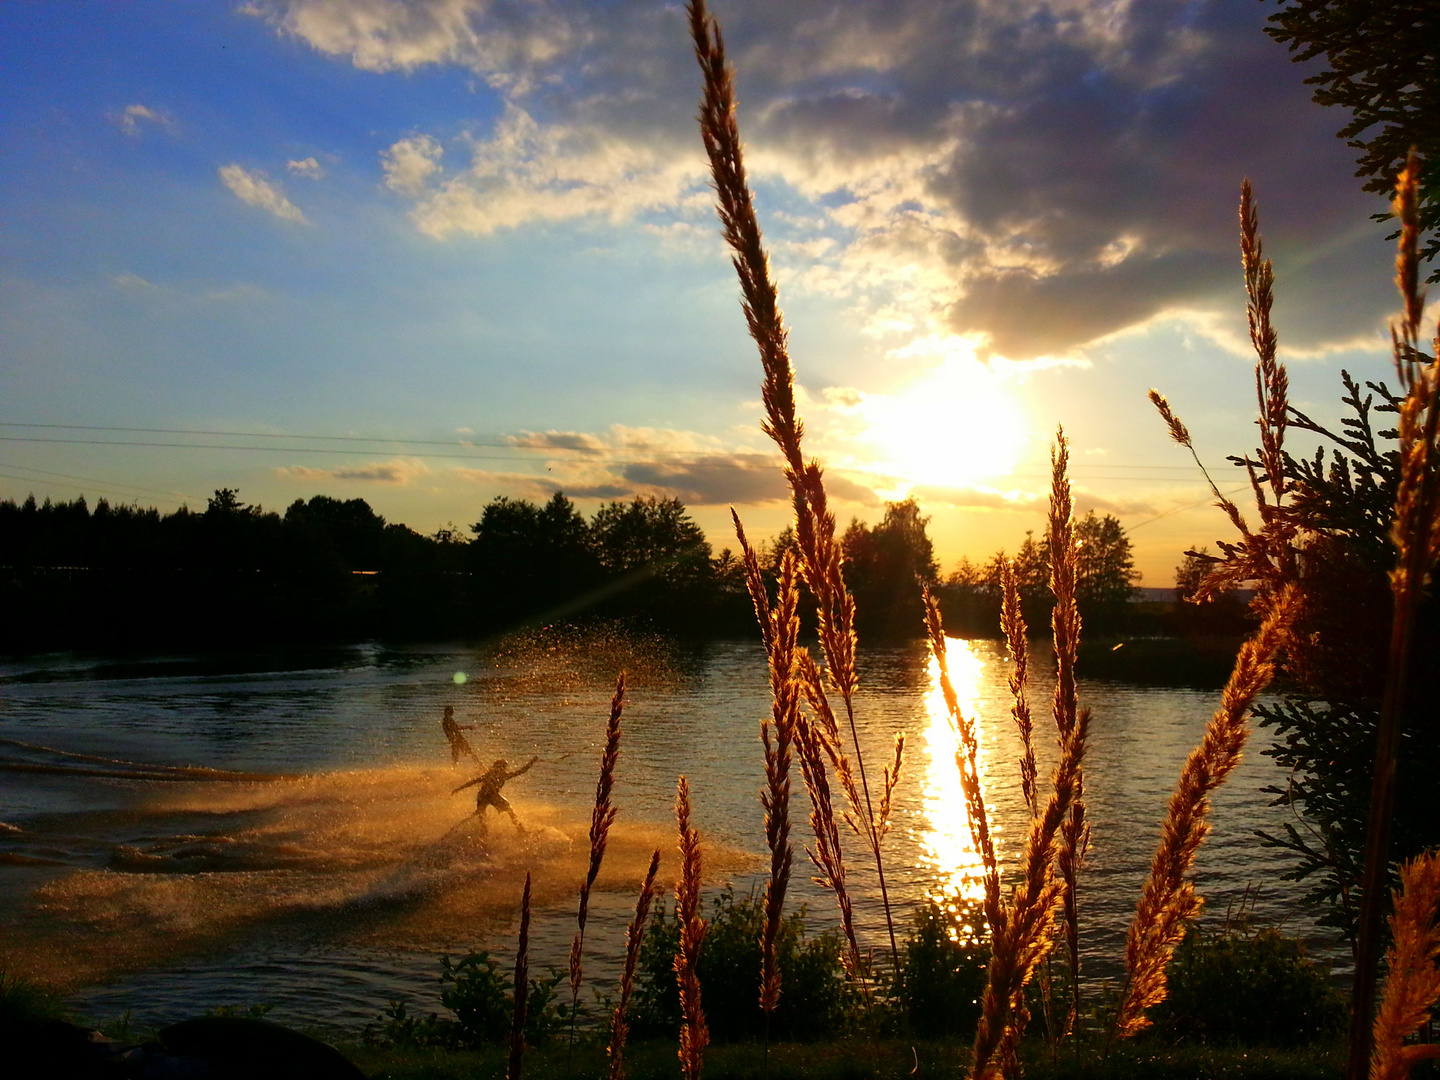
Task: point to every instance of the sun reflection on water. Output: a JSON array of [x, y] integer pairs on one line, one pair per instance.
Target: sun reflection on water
[[947, 848]]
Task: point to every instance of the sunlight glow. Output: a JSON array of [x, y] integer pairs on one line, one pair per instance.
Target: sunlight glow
[[946, 843], [952, 428]]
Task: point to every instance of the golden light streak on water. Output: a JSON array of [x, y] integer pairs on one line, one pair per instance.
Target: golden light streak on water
[[946, 844]]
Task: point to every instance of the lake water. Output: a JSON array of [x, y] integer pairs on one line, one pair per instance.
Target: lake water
[[327, 878]]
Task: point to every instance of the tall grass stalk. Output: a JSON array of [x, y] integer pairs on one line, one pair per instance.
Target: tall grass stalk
[[601, 818], [1065, 628], [1416, 535], [634, 938], [1412, 984], [1023, 933], [694, 1036], [814, 521], [520, 988], [780, 627]]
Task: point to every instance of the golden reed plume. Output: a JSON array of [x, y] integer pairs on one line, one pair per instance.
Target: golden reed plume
[[1065, 628], [1169, 900], [694, 1036], [634, 937], [600, 821], [1413, 983], [520, 988], [821, 558]]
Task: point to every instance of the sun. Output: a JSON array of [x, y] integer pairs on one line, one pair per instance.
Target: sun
[[955, 427]]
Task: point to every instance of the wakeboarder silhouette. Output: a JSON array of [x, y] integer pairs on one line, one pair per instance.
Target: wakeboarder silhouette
[[458, 743], [489, 795]]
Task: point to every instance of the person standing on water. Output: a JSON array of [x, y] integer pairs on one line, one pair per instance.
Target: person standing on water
[[489, 792], [458, 743]]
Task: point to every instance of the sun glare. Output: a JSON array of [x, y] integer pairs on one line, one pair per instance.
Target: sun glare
[[958, 425]]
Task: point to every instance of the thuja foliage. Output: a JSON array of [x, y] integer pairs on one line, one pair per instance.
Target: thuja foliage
[[1381, 66], [1343, 497]]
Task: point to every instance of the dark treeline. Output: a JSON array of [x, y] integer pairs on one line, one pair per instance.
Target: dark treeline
[[332, 570]]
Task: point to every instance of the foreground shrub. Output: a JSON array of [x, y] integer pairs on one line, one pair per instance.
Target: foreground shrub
[[479, 993], [24, 1000], [815, 1000], [1254, 988], [942, 974]]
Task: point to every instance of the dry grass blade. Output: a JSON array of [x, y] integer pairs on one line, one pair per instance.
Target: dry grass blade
[[634, 937], [892, 777], [780, 626], [1012, 622], [826, 854], [1413, 984], [600, 821], [520, 988], [815, 532], [827, 731], [694, 1036], [967, 756], [1169, 901]]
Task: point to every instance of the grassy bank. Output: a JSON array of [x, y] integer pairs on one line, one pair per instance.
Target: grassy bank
[[856, 1060]]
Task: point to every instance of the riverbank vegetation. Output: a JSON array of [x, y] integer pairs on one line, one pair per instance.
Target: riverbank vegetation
[[329, 570]]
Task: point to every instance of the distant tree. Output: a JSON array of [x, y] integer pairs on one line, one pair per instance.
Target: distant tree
[[650, 533], [967, 575], [531, 561], [1383, 67], [886, 567], [1106, 574]]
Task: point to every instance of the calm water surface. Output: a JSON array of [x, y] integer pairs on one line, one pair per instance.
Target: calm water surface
[[327, 878]]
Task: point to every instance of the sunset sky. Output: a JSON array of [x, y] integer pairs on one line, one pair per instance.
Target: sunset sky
[[428, 253]]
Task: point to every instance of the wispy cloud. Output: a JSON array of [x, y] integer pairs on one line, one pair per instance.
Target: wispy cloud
[[253, 188], [134, 118], [399, 471], [309, 168]]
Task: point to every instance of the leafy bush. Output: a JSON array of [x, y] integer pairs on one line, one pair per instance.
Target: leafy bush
[[943, 973], [479, 993], [1253, 988], [815, 999]]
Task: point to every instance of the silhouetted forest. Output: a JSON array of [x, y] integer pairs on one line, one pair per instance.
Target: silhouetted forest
[[332, 570]]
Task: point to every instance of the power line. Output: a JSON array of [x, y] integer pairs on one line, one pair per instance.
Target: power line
[[599, 453], [92, 480]]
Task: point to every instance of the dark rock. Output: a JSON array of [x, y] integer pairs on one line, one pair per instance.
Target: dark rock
[[207, 1048], [237, 1046]]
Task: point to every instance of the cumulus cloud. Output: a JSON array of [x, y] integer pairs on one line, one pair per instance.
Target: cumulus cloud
[[409, 164], [399, 471], [309, 168], [254, 188], [1038, 174], [136, 117]]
